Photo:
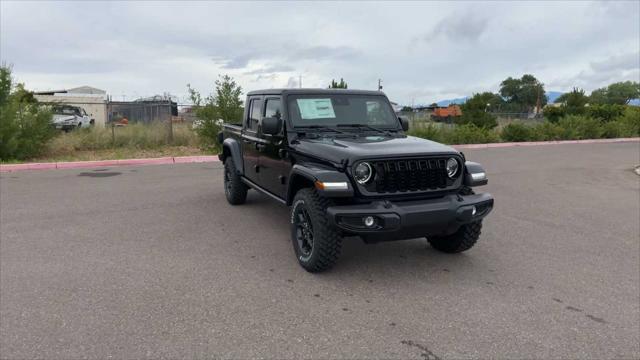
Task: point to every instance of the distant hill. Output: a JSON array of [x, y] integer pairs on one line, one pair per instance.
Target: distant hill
[[448, 102], [553, 95]]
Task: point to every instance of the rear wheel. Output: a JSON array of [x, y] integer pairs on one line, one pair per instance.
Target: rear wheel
[[234, 189], [316, 243]]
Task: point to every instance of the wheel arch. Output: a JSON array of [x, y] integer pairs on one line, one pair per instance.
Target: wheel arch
[[231, 147], [307, 175]]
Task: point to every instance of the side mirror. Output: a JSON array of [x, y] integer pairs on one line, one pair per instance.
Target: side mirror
[[404, 121], [271, 125]]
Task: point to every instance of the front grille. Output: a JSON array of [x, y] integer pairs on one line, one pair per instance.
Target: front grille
[[394, 176]]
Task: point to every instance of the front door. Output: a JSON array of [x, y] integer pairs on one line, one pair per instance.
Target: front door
[[250, 139], [274, 167]]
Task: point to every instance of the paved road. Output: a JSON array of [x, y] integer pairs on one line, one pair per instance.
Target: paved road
[[136, 262]]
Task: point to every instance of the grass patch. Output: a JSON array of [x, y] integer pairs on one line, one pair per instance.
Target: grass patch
[[127, 142]]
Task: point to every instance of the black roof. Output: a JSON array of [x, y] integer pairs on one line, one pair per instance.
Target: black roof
[[310, 91]]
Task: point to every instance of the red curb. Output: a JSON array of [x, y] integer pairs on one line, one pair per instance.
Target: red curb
[[102, 163], [214, 158], [194, 159]]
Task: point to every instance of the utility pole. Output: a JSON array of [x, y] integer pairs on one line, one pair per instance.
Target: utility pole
[[379, 84], [300, 82]]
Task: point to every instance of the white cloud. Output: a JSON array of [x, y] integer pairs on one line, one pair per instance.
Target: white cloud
[[423, 51]]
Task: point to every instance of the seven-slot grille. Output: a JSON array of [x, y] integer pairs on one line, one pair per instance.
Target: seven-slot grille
[[409, 175]]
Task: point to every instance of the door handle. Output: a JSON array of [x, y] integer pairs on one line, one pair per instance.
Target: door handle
[[260, 147], [246, 141]]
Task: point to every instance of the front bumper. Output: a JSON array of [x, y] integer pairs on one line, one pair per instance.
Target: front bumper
[[410, 219]]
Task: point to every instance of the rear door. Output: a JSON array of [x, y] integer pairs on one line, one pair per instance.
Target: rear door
[[274, 167], [250, 138]]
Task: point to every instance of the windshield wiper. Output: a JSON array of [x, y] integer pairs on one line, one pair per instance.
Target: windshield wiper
[[320, 128], [384, 131]]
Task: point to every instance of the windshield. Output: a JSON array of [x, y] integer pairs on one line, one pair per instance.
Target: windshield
[[334, 110]]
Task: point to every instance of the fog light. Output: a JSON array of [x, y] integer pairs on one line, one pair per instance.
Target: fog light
[[369, 221], [473, 211]]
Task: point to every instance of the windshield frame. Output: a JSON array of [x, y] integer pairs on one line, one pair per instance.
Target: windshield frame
[[384, 101]]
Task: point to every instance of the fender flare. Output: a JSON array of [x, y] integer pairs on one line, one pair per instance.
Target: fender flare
[[474, 174], [306, 175], [231, 147]]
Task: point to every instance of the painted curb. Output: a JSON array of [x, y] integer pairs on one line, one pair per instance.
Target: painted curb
[[102, 163], [214, 158]]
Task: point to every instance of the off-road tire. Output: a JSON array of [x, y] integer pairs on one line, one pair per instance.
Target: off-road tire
[[327, 242], [463, 239], [234, 189]]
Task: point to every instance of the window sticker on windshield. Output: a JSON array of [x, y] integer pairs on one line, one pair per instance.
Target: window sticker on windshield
[[316, 109]]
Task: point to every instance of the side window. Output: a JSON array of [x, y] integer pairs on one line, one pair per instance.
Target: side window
[[254, 115], [272, 109]]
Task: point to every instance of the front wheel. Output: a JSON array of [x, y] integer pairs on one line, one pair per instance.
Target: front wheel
[[461, 240], [316, 242]]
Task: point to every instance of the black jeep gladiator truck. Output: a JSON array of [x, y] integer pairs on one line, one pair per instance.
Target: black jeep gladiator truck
[[342, 161]]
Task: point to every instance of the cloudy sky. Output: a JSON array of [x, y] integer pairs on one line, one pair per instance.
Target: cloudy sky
[[423, 51]]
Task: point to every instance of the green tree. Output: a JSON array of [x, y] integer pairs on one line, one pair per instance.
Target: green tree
[[406, 109], [338, 85], [526, 93], [228, 100], [619, 93], [223, 105], [25, 125], [599, 96], [574, 102], [476, 109]]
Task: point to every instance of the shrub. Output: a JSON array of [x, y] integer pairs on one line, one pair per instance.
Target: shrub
[[208, 130], [517, 132], [547, 131], [25, 125], [470, 134], [630, 121], [605, 112], [613, 129], [478, 118], [553, 113], [430, 131], [576, 127]]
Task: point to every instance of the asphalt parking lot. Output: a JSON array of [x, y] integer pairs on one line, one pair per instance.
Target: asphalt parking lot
[[150, 262]]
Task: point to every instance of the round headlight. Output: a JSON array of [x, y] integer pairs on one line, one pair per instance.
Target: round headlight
[[363, 173], [452, 167]]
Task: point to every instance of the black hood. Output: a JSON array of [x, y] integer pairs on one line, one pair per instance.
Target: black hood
[[339, 149]]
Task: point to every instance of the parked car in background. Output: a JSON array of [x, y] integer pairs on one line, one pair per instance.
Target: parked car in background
[[68, 117]]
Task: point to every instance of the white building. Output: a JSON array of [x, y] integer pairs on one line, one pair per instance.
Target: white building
[[92, 100]]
